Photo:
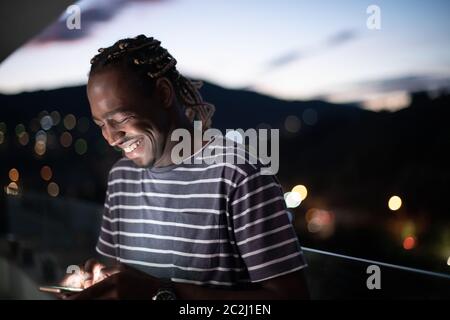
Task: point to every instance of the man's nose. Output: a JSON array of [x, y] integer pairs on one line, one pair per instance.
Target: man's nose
[[112, 135]]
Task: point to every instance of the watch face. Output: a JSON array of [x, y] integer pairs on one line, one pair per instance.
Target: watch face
[[164, 295]]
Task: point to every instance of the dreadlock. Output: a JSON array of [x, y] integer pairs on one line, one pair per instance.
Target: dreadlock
[[151, 61]]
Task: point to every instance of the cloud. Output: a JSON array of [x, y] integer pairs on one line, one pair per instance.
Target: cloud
[[340, 38], [331, 42], [92, 12]]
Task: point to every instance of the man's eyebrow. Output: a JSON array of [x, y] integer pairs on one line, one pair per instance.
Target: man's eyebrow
[[111, 113]]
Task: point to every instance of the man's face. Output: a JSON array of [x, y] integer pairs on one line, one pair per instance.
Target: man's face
[[134, 122]]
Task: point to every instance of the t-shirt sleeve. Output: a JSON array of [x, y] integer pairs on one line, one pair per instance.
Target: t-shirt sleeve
[[106, 244], [264, 235]]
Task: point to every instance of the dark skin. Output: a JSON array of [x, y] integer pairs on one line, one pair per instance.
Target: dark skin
[[126, 115]]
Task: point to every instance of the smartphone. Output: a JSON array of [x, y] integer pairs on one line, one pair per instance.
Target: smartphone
[[59, 289]]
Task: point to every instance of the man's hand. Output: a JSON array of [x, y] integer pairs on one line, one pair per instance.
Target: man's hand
[[121, 282], [90, 273]]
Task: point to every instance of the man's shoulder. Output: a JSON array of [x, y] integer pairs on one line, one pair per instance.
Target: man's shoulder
[[229, 154]]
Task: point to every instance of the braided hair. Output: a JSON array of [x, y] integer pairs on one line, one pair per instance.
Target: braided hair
[[150, 61]]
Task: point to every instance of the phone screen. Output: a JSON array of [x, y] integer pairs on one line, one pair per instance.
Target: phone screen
[[59, 289]]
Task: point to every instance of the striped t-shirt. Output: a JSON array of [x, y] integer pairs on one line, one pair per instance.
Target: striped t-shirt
[[218, 224]]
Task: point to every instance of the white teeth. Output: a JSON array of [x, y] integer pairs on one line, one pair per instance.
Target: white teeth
[[132, 146]]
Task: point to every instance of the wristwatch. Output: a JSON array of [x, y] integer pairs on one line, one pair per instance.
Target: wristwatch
[[165, 292]]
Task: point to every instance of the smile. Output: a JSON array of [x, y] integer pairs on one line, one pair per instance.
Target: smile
[[132, 146]]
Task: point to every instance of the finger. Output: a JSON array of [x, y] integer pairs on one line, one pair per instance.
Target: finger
[[103, 273], [74, 280], [87, 283], [91, 264]]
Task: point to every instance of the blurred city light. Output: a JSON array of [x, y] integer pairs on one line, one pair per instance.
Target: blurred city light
[[56, 118], [2, 137], [66, 139], [24, 138], [19, 129], [320, 220], [46, 122], [40, 148], [41, 135], [80, 146], [448, 261], [292, 124], [292, 199], [13, 174], [409, 243], [2, 126], [46, 173], [301, 189], [12, 189], [394, 203], [53, 189], [70, 121]]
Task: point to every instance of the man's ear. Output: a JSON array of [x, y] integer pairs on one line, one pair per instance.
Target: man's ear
[[165, 91]]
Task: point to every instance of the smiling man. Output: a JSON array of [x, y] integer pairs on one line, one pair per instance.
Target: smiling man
[[186, 231]]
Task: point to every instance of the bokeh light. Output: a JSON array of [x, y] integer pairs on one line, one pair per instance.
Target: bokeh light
[[394, 203], [24, 138], [13, 174], [292, 199], [80, 146], [292, 124], [66, 139], [409, 243], [46, 173], [2, 137], [448, 261], [40, 148], [70, 121], [12, 189], [56, 118], [46, 122], [19, 129], [41, 136], [53, 189], [3, 126], [301, 190], [320, 221]]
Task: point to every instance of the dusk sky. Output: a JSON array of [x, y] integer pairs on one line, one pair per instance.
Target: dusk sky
[[288, 49]]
